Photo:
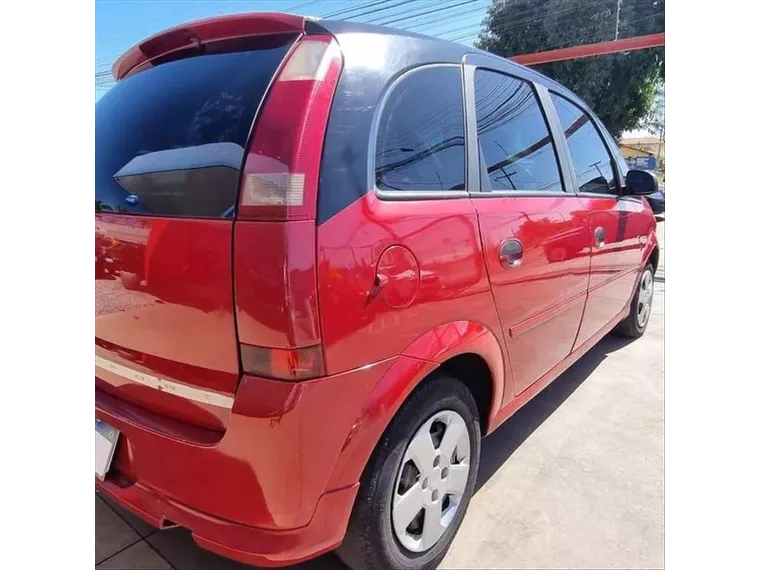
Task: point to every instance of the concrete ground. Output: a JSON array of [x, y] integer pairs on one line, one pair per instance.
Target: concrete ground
[[573, 480]]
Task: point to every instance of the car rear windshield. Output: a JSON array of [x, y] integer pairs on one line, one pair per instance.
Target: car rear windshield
[[170, 140]]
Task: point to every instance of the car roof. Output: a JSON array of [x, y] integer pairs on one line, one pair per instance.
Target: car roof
[[452, 51]]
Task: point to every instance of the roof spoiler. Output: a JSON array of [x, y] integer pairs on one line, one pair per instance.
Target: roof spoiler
[[205, 31]]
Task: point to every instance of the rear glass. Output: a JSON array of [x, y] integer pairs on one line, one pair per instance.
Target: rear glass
[[170, 140]]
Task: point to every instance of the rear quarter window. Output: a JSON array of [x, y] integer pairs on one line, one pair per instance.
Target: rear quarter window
[[420, 140], [170, 140]]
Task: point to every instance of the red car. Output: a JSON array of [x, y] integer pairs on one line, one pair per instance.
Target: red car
[[331, 257]]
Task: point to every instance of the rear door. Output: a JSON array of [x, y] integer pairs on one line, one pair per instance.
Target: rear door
[[534, 233], [617, 225], [170, 142]]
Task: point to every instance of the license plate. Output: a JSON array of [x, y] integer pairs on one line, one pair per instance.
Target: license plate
[[105, 444]]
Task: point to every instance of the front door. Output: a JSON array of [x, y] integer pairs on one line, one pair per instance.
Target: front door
[[617, 225], [535, 235]]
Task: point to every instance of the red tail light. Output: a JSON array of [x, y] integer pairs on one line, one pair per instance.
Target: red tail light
[[281, 170], [275, 232]]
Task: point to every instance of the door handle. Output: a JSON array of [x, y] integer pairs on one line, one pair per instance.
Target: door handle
[[510, 253], [599, 236]]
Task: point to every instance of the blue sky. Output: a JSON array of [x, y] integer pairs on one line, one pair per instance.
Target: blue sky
[[120, 24]]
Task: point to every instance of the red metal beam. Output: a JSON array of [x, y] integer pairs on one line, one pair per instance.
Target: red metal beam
[[588, 50]]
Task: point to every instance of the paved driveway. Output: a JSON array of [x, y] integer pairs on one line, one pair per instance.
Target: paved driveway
[[573, 480]]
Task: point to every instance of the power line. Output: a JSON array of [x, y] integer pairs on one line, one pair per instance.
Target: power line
[[439, 9], [399, 5], [360, 14], [302, 5], [601, 32], [532, 17], [523, 22], [507, 25], [427, 25], [345, 11], [446, 18]]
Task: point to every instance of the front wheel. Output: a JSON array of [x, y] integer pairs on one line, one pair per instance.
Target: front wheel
[[418, 483], [636, 322]]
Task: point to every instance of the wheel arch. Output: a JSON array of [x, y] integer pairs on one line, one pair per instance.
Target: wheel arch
[[467, 349], [651, 251], [654, 257], [473, 370]]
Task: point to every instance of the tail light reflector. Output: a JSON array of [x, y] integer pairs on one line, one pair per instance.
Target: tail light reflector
[[283, 363]]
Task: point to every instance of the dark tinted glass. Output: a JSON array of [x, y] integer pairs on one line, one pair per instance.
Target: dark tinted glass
[[170, 140], [593, 164], [516, 147], [420, 141]]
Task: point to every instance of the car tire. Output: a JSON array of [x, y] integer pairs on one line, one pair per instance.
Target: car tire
[[372, 541], [633, 326]]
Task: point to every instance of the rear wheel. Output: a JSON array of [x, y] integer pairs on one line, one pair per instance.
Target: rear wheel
[[418, 483], [636, 322]]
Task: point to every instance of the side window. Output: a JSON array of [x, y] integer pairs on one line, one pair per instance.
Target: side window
[[517, 151], [420, 140], [592, 161]]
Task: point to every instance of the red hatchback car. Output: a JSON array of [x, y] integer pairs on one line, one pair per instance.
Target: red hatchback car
[[330, 257]]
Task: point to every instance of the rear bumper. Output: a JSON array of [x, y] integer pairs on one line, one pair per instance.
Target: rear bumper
[[261, 547], [263, 491]]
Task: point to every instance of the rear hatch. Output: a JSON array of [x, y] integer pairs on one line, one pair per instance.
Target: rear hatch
[[169, 147]]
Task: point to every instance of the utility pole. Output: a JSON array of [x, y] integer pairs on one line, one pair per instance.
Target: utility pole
[[617, 20]]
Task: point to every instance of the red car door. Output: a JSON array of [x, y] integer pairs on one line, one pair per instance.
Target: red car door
[[535, 235], [618, 225]]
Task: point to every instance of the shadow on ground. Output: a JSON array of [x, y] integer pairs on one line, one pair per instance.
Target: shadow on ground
[[177, 547], [502, 443]]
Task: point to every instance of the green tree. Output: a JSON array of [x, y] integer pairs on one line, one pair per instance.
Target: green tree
[[620, 88], [654, 120]]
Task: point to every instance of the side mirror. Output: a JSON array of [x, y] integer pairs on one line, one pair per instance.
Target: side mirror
[[640, 183]]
